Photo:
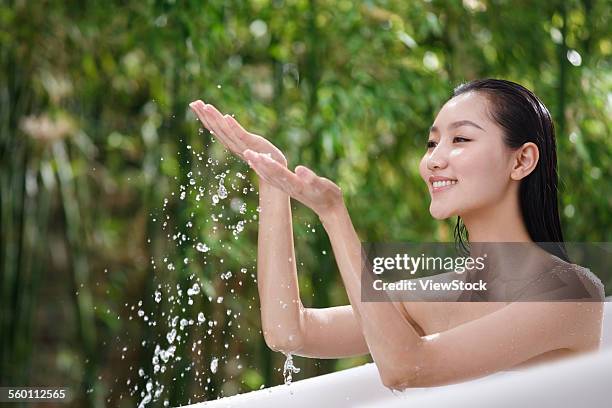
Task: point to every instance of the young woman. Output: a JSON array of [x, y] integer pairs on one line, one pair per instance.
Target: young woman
[[491, 161]]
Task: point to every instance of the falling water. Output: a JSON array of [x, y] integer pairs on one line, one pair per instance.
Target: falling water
[[222, 203], [289, 369]]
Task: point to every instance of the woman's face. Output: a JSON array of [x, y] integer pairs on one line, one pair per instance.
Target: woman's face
[[465, 146]]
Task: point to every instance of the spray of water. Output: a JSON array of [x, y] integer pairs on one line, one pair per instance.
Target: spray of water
[[289, 369]]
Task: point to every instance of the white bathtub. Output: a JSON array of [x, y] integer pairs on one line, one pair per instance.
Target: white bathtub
[[578, 381]]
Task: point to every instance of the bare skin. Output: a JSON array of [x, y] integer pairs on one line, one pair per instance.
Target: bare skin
[[414, 344]]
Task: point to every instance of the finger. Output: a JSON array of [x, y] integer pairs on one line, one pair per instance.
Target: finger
[[328, 183], [235, 125], [252, 155], [212, 116], [222, 128], [241, 133], [197, 106], [259, 168], [218, 119], [283, 175], [306, 174], [320, 183]]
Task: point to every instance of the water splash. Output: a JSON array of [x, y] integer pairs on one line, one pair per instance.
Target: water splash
[[200, 247], [289, 369], [214, 364], [176, 316]]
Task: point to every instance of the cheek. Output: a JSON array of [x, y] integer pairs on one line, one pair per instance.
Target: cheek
[[423, 168], [482, 171]]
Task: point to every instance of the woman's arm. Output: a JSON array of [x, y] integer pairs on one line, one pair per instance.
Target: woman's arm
[[287, 326], [277, 282], [389, 335], [494, 342], [386, 331], [497, 341]]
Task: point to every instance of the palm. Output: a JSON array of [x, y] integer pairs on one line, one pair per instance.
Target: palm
[[232, 135], [318, 193]]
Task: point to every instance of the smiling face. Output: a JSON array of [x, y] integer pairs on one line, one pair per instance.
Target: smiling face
[[466, 166]]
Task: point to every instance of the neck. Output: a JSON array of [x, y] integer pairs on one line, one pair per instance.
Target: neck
[[502, 222]]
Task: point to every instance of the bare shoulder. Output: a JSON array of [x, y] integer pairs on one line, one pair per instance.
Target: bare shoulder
[[437, 311], [566, 282], [592, 285], [568, 292], [573, 296], [589, 313]]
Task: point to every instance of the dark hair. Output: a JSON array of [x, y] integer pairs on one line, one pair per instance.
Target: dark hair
[[524, 118]]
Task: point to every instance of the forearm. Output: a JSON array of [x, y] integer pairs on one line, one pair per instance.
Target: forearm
[[277, 282], [390, 337]]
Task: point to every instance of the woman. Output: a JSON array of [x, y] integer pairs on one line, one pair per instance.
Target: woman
[[490, 160]]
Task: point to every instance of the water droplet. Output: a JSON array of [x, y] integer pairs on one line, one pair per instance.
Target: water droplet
[[289, 369], [171, 335], [194, 290], [202, 247], [221, 191]]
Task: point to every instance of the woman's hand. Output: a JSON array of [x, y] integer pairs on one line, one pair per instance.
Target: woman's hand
[[318, 193], [233, 136]]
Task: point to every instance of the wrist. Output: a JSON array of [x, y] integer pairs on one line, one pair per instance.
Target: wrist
[[333, 214], [268, 189]]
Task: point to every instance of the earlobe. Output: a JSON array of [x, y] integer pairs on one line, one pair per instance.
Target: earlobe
[[526, 160]]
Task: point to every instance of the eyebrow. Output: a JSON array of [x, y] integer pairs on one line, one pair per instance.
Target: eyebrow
[[457, 124]]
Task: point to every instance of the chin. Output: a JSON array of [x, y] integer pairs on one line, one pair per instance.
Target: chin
[[440, 214]]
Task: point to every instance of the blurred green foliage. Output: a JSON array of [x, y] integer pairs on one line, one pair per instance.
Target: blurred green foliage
[[94, 129]]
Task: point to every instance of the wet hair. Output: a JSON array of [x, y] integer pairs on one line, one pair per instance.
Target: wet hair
[[524, 118]]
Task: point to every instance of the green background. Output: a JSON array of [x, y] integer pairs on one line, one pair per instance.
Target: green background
[[95, 132]]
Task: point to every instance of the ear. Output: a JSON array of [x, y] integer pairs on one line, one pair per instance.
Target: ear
[[525, 160]]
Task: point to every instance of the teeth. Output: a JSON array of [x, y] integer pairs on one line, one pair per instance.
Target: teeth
[[444, 183]]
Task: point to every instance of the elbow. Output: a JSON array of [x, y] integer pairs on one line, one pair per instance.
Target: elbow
[[283, 335], [284, 343], [407, 372], [417, 377], [401, 381]]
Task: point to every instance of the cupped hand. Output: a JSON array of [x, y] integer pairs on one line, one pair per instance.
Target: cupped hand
[[318, 193], [232, 135]]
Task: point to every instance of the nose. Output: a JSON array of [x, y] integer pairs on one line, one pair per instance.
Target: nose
[[437, 159]]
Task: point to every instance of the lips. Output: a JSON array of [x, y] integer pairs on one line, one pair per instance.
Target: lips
[[440, 183]]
